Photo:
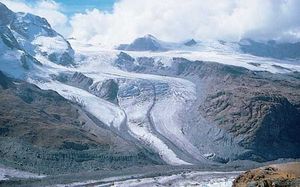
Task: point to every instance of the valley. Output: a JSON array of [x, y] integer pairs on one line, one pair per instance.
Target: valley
[[149, 112]]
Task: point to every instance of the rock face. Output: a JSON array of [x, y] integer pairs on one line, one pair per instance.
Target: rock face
[[146, 43], [42, 132], [125, 61], [271, 49], [274, 175], [107, 89], [259, 110], [33, 36]]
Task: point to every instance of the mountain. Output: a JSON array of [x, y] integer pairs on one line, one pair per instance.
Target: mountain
[[271, 49], [151, 43], [191, 42], [146, 43], [42, 132], [30, 40], [207, 105]]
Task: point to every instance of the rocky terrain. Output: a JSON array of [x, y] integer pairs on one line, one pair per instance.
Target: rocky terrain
[[259, 110], [274, 175]]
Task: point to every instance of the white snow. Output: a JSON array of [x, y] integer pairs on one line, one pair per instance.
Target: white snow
[[7, 173], [50, 44]]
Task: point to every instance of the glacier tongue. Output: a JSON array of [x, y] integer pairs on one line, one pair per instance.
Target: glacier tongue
[[106, 112], [137, 99]]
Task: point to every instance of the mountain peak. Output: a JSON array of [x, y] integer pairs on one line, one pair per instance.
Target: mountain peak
[[145, 43], [33, 36], [190, 43], [30, 18], [150, 37]]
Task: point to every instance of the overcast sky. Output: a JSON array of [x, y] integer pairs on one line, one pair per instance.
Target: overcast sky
[[113, 22]]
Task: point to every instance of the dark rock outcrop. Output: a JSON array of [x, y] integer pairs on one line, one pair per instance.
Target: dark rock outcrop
[[107, 90], [125, 61]]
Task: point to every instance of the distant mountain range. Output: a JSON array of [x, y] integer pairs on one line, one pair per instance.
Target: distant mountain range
[[270, 49]]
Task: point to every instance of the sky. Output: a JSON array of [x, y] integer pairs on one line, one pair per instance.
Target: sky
[[121, 21], [71, 7]]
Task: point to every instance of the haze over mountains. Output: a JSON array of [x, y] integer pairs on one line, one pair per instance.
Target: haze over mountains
[[68, 106]]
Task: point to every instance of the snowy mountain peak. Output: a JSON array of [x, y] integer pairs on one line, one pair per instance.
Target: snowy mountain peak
[[191, 42], [145, 43], [31, 26], [27, 41], [27, 35], [33, 19], [150, 37]]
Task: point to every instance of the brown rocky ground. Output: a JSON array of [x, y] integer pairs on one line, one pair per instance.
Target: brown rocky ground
[[274, 175]]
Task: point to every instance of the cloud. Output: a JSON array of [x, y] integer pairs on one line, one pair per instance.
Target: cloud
[[48, 9], [175, 20]]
